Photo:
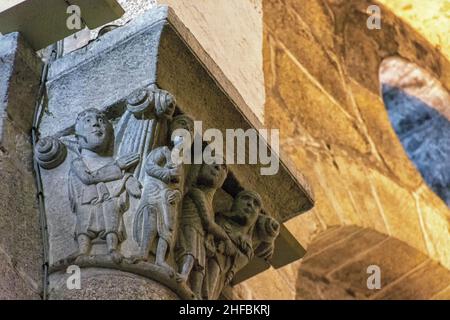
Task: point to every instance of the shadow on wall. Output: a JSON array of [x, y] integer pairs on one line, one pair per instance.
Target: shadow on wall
[[425, 135], [351, 262]]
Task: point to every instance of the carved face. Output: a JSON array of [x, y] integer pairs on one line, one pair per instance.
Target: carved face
[[247, 206], [93, 130], [212, 175], [182, 122]]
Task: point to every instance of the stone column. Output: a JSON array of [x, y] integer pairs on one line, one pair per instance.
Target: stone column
[[21, 248]]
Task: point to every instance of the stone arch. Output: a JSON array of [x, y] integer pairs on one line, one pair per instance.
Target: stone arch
[[337, 262], [321, 66], [419, 111]]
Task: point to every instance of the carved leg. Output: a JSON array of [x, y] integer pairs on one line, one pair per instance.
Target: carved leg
[[213, 277], [147, 245], [161, 254], [112, 242], [148, 232], [186, 268], [197, 283], [84, 244]]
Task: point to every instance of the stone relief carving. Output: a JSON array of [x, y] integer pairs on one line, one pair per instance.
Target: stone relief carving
[[99, 185], [122, 166]]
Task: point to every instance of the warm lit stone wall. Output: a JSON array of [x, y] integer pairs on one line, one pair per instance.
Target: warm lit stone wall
[[231, 32], [322, 88], [336, 264], [430, 18]]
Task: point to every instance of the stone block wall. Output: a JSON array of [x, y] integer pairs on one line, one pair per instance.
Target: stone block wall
[[336, 267], [321, 67], [20, 235]]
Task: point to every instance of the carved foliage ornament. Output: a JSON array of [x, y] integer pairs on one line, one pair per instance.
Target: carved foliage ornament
[[123, 166]]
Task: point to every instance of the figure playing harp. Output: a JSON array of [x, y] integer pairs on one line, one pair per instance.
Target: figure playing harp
[[99, 186]]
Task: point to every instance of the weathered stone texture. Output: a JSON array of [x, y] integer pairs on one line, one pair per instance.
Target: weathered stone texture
[[20, 234], [425, 18], [321, 69], [13, 283], [304, 46], [105, 284]]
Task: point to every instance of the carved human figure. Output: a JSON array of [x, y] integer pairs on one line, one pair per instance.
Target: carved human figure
[[252, 232], [157, 214], [196, 223], [99, 185], [239, 224]]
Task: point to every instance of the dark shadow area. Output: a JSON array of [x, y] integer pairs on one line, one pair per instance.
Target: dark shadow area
[[424, 134]]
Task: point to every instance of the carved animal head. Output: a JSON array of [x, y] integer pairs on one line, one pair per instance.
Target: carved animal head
[[93, 131]]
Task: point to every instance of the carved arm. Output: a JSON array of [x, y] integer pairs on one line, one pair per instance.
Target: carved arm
[[208, 221], [107, 173], [155, 166]]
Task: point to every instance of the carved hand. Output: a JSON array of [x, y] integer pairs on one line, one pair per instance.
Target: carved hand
[[175, 175], [133, 187], [173, 197], [229, 277], [245, 247], [127, 161], [230, 248]]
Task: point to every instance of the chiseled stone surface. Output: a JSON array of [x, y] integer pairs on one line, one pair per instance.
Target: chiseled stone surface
[[20, 234], [105, 284], [423, 283], [13, 284], [122, 61], [362, 171]]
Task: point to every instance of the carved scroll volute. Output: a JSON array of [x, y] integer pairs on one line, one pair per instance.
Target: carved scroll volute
[[140, 103], [164, 104], [50, 152], [143, 103]]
